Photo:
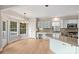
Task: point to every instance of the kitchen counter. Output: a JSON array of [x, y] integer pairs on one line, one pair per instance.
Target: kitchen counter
[[70, 40], [43, 34], [60, 47], [69, 35]]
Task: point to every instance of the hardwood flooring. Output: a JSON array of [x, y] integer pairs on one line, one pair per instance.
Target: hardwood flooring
[[28, 46]]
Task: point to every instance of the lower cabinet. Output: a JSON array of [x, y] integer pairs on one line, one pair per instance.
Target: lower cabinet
[[60, 47], [56, 35], [77, 49]]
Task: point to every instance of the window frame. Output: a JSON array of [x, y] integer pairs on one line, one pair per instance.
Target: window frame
[[4, 26], [13, 27], [23, 28]]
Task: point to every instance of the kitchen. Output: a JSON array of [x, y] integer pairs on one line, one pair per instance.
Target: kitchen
[[62, 33]]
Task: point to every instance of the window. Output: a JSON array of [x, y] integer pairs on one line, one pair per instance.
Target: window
[[22, 28], [4, 28], [13, 26]]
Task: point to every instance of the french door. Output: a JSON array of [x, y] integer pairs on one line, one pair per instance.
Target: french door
[[4, 33]]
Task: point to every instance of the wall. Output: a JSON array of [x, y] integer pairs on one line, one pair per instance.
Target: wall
[[78, 30], [8, 36], [32, 28], [0, 30]]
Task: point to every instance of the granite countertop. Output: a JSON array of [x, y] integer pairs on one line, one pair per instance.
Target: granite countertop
[[69, 40]]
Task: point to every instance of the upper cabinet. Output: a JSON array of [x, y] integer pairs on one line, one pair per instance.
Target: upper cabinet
[[44, 24], [72, 21]]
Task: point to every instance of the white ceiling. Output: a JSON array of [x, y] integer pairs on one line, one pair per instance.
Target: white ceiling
[[42, 11], [6, 6]]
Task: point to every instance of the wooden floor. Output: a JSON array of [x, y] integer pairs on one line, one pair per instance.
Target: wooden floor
[[28, 46]]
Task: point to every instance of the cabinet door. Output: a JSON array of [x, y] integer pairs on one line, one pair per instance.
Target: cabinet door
[[60, 47], [44, 24], [77, 49], [68, 49], [65, 22], [47, 24], [57, 47], [56, 35], [39, 24]]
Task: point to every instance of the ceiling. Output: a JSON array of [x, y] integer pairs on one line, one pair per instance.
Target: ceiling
[[6, 6], [42, 11]]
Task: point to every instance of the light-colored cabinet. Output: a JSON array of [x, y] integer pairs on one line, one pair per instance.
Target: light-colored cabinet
[[65, 22], [77, 49], [60, 47], [56, 35], [44, 24]]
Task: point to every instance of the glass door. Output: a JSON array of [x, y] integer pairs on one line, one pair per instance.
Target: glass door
[[4, 33]]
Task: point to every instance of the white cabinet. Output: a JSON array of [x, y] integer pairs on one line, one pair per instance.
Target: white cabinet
[[77, 49], [56, 35], [44, 24], [56, 25], [40, 24], [65, 22], [60, 47], [61, 23]]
